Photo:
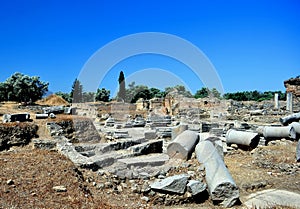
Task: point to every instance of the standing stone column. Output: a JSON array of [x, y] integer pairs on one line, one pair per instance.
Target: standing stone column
[[289, 101], [221, 185], [276, 101]]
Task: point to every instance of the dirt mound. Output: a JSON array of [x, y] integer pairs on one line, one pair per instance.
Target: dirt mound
[[53, 99]]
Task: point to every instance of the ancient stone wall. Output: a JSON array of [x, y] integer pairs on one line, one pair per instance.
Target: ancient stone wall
[[78, 129], [293, 85]]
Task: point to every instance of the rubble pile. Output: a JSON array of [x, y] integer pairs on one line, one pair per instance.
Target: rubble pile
[[173, 158]]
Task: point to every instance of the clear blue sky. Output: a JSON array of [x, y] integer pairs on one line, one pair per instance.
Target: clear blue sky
[[253, 45]]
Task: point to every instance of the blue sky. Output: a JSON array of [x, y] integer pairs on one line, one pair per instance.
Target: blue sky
[[253, 45]]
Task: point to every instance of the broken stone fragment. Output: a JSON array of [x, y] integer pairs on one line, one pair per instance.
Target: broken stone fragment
[[196, 187], [9, 182], [60, 188], [173, 184], [147, 160]]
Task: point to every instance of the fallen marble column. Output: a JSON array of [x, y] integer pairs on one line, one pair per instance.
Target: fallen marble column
[[221, 185], [41, 116], [178, 130], [279, 132], [257, 112], [296, 127], [21, 117], [272, 198], [183, 145], [217, 142], [242, 138], [290, 118]]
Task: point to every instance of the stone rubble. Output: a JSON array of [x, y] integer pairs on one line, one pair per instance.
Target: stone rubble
[[143, 159], [174, 184]]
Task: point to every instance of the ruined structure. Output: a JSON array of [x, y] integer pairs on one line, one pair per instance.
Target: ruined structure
[[293, 85]]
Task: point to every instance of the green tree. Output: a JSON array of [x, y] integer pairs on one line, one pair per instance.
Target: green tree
[[122, 89], [88, 96], [156, 93], [202, 93], [180, 89], [253, 95], [215, 93], [3, 92], [76, 93], [102, 95], [141, 92], [133, 93], [23, 88]]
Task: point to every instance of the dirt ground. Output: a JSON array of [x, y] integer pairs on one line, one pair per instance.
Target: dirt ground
[[28, 175]]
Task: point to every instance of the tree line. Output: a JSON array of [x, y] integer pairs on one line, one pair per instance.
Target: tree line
[[23, 88]]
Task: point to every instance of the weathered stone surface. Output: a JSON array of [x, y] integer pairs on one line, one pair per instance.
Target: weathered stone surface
[[107, 159], [218, 144], [45, 144], [53, 109], [21, 117], [196, 187], [150, 134], [296, 126], [173, 184], [153, 146], [298, 152], [41, 116], [216, 131], [271, 198], [164, 132], [146, 160], [275, 132], [255, 185], [67, 149], [257, 112], [243, 138], [183, 145], [290, 118], [178, 130], [122, 144], [221, 185], [79, 130], [54, 129], [119, 134]]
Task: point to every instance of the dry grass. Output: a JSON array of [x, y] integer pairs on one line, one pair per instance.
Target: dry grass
[[34, 174], [244, 169], [52, 100]]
